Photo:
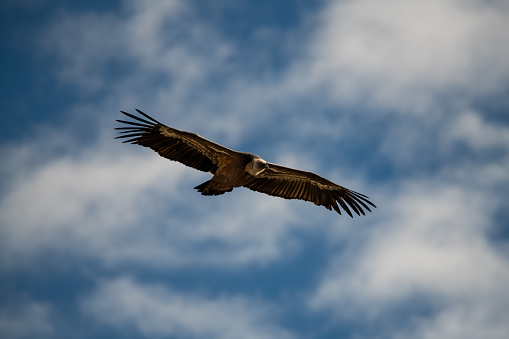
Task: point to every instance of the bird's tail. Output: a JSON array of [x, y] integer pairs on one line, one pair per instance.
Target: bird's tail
[[204, 189]]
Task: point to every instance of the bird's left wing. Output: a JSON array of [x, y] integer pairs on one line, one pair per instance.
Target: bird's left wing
[[291, 183], [188, 148]]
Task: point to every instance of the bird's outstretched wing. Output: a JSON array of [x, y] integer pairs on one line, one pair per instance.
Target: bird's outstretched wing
[[290, 183], [188, 148]]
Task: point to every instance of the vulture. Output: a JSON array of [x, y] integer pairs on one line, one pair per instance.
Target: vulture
[[231, 169]]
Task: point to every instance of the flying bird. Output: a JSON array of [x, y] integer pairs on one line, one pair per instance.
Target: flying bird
[[231, 169]]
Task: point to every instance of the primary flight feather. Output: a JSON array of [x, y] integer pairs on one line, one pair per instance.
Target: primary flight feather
[[232, 169]]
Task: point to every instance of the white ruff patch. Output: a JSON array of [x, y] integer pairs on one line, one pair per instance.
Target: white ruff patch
[[252, 167]]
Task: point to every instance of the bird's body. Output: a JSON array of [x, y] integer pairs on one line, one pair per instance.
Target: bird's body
[[231, 173], [231, 169]]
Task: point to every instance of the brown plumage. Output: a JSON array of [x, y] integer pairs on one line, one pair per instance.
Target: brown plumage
[[232, 169]]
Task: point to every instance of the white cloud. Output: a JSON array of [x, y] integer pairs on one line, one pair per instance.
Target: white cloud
[[380, 49], [362, 44], [470, 129], [99, 201], [117, 207], [25, 320], [154, 310], [409, 56], [145, 44], [432, 245], [462, 142], [463, 321], [391, 55], [163, 60], [69, 199]]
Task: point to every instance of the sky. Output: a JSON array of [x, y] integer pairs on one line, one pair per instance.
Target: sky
[[404, 101]]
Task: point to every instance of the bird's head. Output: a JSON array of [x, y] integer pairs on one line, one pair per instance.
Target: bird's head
[[257, 166]]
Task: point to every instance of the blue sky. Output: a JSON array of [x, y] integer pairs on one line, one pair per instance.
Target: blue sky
[[404, 101]]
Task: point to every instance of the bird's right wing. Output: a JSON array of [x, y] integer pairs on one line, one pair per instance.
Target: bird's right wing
[[188, 148]]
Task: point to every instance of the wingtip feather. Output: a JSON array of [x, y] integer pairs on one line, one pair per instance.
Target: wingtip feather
[[147, 116]]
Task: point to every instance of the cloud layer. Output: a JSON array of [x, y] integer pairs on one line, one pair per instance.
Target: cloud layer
[[155, 310], [411, 58], [384, 97]]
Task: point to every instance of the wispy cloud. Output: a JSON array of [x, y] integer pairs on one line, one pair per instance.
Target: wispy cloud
[[155, 310], [387, 88], [131, 208], [432, 251], [401, 56]]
